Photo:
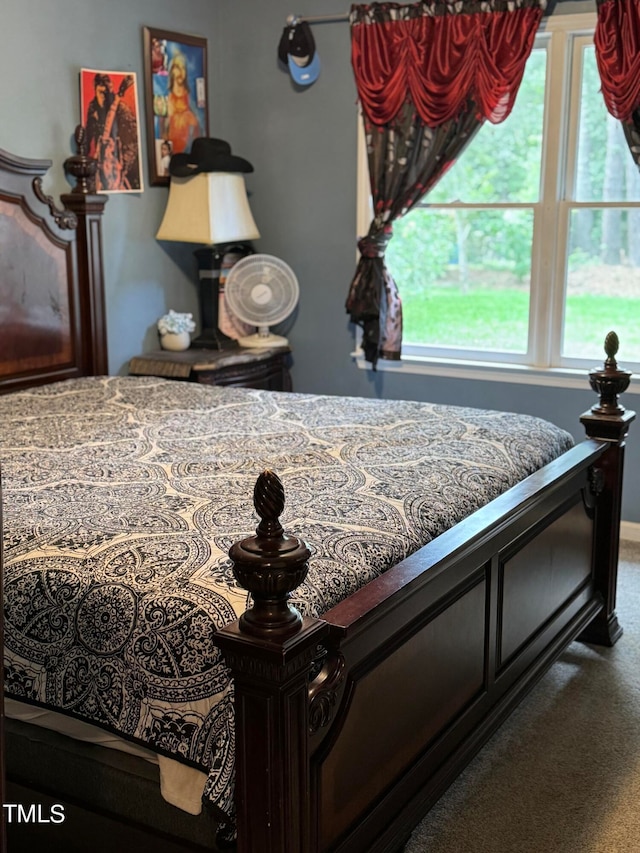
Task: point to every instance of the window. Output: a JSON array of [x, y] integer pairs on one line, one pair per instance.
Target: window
[[527, 251]]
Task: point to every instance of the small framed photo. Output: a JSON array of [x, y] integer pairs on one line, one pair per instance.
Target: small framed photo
[[109, 113], [175, 83]]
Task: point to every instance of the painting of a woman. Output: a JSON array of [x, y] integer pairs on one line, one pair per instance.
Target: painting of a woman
[[176, 78], [182, 123]]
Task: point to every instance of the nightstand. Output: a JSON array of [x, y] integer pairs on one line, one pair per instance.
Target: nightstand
[[246, 367]]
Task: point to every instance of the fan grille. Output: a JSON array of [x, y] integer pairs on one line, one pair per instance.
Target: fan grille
[[261, 290]]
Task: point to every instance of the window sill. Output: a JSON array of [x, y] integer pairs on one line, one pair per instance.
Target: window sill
[[518, 374]]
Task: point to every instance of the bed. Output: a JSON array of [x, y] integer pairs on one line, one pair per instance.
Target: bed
[[380, 622]]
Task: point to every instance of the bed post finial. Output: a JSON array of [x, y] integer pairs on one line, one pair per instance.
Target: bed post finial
[[270, 565], [608, 421], [270, 651], [82, 168], [610, 381]]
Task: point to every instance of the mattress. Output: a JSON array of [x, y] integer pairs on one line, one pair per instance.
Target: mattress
[[122, 496]]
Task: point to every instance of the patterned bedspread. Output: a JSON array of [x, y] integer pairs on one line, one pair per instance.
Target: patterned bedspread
[[123, 495]]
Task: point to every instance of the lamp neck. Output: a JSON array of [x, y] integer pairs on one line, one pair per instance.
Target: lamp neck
[[209, 260]]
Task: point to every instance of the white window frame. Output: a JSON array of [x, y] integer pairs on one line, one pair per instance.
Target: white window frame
[[546, 302]]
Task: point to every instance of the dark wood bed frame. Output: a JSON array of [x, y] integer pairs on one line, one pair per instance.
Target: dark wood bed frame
[[350, 727]]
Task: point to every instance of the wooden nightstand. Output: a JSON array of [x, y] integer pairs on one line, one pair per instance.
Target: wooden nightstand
[[249, 368]]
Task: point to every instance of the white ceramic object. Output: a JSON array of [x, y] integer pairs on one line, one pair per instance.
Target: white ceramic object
[[175, 341]]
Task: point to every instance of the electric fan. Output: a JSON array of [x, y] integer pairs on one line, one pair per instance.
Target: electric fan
[[261, 290]]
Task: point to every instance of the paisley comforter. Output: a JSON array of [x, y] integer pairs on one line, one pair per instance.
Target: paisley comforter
[[122, 497]]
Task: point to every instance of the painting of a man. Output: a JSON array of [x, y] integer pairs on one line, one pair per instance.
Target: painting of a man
[[110, 116]]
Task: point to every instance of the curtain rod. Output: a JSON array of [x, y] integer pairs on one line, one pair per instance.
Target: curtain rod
[[296, 19]]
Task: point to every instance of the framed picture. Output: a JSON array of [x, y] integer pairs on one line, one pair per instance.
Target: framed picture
[[175, 84], [109, 113]]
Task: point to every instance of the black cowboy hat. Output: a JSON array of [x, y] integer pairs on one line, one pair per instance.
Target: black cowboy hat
[[207, 155]]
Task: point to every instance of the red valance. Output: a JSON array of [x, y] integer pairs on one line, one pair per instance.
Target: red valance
[[441, 55], [617, 43]]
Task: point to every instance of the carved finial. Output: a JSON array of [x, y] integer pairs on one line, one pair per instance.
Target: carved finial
[[610, 381], [611, 347], [80, 136], [270, 565], [268, 500], [82, 168]]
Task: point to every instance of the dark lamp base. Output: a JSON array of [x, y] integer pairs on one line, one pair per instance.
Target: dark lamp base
[[213, 339]]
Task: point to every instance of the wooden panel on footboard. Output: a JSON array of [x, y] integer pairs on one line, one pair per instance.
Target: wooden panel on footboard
[[400, 703], [539, 577]]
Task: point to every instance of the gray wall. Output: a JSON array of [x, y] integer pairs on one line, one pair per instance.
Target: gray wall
[[303, 146]]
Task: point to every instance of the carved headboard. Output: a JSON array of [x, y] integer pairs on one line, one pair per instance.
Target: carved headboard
[[52, 314]]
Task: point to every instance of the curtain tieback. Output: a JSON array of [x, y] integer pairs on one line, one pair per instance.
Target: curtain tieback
[[374, 246]]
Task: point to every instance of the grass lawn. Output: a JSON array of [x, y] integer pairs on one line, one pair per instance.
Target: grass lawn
[[498, 319]]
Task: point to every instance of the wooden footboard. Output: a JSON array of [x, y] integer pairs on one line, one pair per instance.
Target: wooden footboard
[[349, 728], [445, 657]]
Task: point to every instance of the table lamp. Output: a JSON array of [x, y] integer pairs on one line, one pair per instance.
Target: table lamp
[[208, 204]]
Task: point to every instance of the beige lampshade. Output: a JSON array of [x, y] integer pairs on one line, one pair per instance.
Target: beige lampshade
[[209, 208]]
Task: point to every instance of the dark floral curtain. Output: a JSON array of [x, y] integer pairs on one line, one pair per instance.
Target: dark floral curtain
[[428, 75], [617, 43]]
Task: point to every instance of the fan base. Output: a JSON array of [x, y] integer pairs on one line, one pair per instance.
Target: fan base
[[259, 340]]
